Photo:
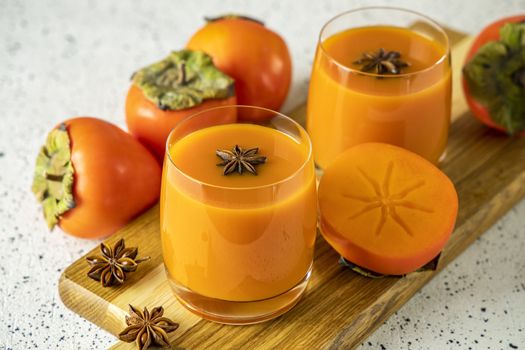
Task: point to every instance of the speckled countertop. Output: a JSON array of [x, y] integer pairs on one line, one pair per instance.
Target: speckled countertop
[[65, 58]]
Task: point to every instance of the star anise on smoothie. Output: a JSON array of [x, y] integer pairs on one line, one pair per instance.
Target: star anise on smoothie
[[111, 267], [145, 328], [381, 62], [240, 160]]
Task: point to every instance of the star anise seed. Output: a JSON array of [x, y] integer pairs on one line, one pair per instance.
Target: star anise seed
[[240, 160], [145, 328], [382, 62], [110, 268]]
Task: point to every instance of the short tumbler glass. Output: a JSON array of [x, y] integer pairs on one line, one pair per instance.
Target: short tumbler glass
[[349, 103], [238, 248]]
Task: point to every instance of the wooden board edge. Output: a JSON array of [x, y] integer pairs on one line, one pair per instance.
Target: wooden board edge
[[94, 308]]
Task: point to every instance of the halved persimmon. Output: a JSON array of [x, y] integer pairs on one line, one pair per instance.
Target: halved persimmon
[[386, 209]]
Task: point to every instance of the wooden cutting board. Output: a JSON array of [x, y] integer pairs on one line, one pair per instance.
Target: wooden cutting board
[[340, 308]]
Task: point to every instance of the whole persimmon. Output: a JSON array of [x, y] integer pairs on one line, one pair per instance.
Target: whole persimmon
[[256, 57], [494, 75], [92, 177], [165, 93]]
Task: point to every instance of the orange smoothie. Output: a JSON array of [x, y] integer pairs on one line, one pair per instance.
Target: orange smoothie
[[240, 237], [347, 107]]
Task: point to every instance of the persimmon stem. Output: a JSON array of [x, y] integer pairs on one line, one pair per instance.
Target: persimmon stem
[[182, 74], [54, 177], [232, 16], [519, 77]]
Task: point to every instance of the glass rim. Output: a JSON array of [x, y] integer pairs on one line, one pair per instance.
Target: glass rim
[[275, 114], [389, 8]]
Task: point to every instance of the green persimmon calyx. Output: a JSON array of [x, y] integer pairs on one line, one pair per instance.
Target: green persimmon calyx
[[53, 178], [232, 16], [496, 77], [183, 80]]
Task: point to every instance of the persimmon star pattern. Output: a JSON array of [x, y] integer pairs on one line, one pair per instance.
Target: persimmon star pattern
[[387, 202]]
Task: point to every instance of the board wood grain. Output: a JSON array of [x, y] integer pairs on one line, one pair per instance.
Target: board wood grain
[[340, 308]]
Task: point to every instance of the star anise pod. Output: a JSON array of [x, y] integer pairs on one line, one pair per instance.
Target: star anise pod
[[110, 268], [239, 160], [382, 62], [147, 328]]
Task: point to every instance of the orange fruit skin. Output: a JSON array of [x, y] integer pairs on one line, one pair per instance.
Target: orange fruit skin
[[151, 125], [386, 209], [256, 57], [115, 179]]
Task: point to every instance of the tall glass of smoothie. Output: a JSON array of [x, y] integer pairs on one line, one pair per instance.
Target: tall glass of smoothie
[[238, 215], [380, 75]]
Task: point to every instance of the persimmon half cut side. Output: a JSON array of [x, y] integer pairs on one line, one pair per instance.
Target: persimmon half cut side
[[386, 209]]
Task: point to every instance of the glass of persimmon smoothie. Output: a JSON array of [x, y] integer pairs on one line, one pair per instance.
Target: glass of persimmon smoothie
[[238, 215], [380, 75]]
